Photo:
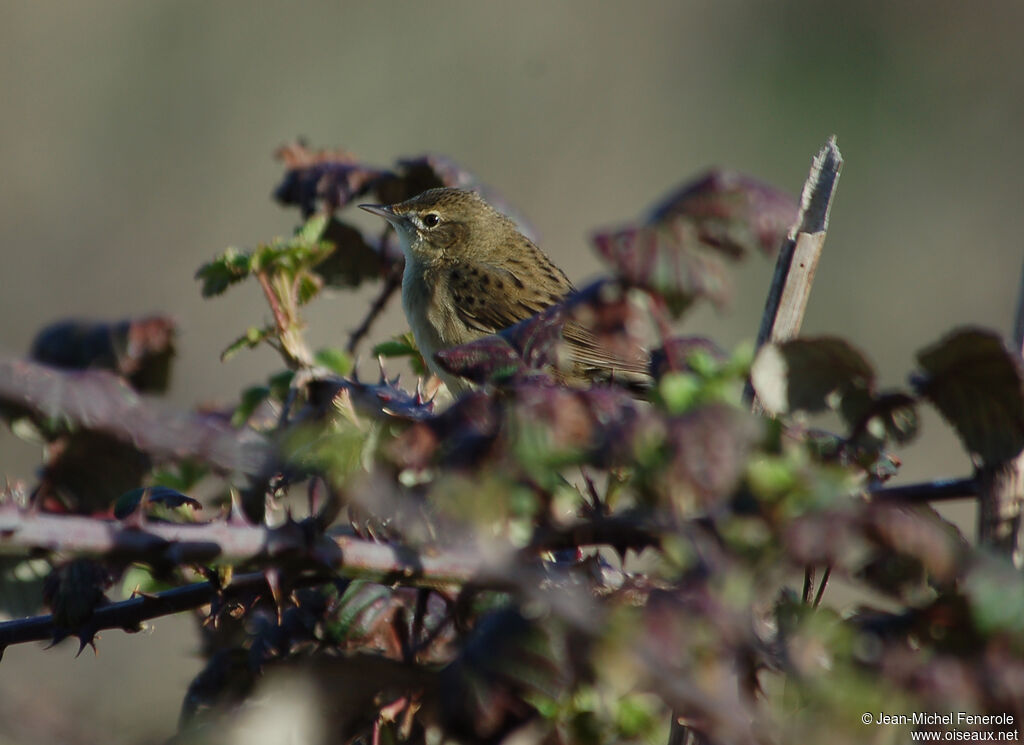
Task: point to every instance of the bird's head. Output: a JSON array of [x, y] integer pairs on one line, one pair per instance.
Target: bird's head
[[446, 223]]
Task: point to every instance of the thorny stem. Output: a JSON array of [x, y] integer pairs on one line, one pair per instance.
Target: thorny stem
[[392, 282], [129, 614], [293, 346]]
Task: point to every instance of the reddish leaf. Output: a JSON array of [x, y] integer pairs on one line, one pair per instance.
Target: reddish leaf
[[665, 263], [728, 213], [354, 259], [598, 424], [976, 384], [732, 212], [139, 350], [332, 178], [461, 436], [707, 452]]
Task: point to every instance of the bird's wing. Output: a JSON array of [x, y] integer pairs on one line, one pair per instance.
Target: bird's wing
[[489, 298], [597, 360]]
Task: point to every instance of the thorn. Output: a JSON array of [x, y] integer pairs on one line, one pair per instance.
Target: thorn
[[237, 515], [273, 577], [315, 495], [380, 364], [84, 642], [394, 382]]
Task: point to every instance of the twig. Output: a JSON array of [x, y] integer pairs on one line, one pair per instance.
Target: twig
[[821, 587], [618, 531], [128, 614], [799, 254], [281, 319], [930, 491], [392, 282]]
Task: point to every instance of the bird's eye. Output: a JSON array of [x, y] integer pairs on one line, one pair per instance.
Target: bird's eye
[[431, 219]]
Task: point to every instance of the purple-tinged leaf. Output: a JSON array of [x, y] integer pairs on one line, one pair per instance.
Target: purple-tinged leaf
[[666, 263], [461, 436], [730, 211], [976, 384], [707, 453], [354, 259], [597, 425], [810, 375], [918, 534], [667, 254], [139, 350], [331, 178], [491, 359]]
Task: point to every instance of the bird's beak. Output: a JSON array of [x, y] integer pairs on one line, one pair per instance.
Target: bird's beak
[[383, 210]]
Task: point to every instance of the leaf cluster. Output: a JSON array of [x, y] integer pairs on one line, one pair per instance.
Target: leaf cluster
[[533, 561]]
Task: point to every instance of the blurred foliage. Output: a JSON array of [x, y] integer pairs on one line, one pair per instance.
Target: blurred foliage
[[636, 546]]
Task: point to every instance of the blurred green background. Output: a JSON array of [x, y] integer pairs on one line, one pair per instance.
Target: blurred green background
[[137, 141]]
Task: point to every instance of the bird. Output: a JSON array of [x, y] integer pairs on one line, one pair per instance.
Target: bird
[[470, 272]]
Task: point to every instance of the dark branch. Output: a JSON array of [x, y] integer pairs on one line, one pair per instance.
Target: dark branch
[[929, 491], [128, 614]]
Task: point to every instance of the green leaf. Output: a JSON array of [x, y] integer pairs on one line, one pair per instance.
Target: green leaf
[[250, 339], [227, 269], [334, 359], [309, 287], [250, 401], [357, 609], [139, 578], [679, 391], [21, 585], [280, 383], [313, 230], [403, 346], [398, 347], [995, 592]]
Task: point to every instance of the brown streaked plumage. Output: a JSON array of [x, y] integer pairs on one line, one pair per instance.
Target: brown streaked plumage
[[469, 272]]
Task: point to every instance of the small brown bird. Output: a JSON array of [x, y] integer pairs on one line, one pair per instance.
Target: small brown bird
[[469, 272]]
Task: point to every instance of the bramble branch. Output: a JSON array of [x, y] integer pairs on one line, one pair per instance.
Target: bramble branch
[[293, 544], [102, 402]]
